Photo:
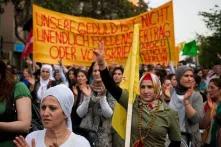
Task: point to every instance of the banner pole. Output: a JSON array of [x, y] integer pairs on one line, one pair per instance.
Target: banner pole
[[133, 62], [128, 126]]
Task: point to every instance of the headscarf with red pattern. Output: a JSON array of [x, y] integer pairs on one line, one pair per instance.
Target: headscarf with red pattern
[[156, 83]]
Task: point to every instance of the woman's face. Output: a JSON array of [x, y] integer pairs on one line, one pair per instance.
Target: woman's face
[[200, 73], [147, 90], [26, 74], [167, 84], [71, 75], [213, 91], [58, 76], [45, 74], [51, 113], [174, 81], [81, 78], [96, 72], [187, 79], [117, 76]]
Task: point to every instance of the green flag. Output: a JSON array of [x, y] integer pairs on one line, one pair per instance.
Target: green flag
[[190, 48]]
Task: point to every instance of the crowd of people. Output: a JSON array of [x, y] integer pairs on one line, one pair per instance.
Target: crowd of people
[[56, 105]]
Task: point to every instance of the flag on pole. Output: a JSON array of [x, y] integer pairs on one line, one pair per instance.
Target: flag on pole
[[190, 49], [131, 83], [131, 70], [28, 46]]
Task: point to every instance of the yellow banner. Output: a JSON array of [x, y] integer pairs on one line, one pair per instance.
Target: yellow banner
[[119, 120], [176, 55], [72, 39]]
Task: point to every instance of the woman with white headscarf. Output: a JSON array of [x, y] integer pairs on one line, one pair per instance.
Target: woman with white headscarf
[[46, 76], [56, 106]]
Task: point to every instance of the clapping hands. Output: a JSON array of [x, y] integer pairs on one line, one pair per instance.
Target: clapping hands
[[86, 89], [99, 87], [212, 106], [21, 142]]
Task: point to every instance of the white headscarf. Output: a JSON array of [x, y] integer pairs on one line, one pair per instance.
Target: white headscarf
[[44, 83], [49, 68], [65, 98]]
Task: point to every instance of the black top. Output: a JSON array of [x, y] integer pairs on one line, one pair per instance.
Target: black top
[[110, 85]]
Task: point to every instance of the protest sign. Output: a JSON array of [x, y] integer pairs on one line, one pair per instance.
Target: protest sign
[[72, 39]]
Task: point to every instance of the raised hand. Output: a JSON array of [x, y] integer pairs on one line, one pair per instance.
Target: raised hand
[[31, 81], [99, 53], [60, 61], [188, 94], [21, 142], [210, 102], [212, 106], [86, 89], [166, 91]]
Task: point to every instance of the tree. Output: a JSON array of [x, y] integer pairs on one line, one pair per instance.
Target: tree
[[210, 46], [100, 9]]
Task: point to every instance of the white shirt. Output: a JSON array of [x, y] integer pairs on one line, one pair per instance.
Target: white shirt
[[74, 140]]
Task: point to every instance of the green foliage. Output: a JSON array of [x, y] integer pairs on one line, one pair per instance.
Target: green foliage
[[100, 9], [210, 46], [213, 20]]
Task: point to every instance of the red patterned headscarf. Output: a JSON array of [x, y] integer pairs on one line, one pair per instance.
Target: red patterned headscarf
[[156, 83]]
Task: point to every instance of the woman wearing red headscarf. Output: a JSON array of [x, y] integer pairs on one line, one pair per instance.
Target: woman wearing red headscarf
[[152, 120]]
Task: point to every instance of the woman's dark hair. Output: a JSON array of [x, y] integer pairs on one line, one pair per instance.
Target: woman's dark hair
[[70, 81], [3, 68], [197, 79], [82, 71], [164, 79], [37, 74], [90, 71], [67, 74], [170, 76], [7, 81], [28, 70], [161, 73], [117, 68], [216, 81], [55, 72]]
